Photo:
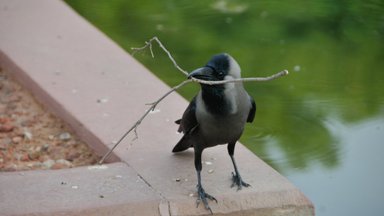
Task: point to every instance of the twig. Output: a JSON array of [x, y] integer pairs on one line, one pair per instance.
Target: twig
[[149, 43], [154, 104], [134, 127], [251, 79]]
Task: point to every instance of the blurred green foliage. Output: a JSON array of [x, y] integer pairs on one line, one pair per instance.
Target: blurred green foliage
[[333, 49]]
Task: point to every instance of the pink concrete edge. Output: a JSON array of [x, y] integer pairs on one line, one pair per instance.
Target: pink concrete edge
[[110, 189]]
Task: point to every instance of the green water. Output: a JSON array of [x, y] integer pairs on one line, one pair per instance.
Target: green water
[[323, 125]]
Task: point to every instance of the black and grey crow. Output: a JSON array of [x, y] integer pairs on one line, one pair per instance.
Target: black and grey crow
[[216, 115]]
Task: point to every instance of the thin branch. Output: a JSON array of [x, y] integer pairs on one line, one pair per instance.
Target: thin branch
[[149, 43], [134, 126], [154, 104], [150, 49], [250, 79]]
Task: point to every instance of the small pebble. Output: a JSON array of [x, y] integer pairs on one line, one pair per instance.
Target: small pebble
[[177, 179], [21, 156], [48, 163], [6, 128], [27, 135], [102, 100], [101, 196], [65, 136], [75, 187], [64, 162], [34, 165], [210, 171], [24, 157], [154, 111], [17, 139], [72, 156], [38, 148], [208, 162], [44, 148], [34, 155]]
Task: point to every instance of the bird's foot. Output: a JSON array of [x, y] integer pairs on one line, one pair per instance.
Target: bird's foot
[[236, 180], [202, 197]]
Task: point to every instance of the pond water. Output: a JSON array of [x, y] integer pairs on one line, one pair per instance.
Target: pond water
[[323, 125]]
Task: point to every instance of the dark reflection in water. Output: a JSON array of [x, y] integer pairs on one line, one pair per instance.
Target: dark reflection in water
[[322, 126]]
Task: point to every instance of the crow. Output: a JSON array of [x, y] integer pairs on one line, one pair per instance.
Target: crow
[[216, 115]]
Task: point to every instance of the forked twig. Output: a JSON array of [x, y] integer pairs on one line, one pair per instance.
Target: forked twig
[[154, 104], [149, 44]]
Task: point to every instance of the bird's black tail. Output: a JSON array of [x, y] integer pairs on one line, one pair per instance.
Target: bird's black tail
[[183, 144]]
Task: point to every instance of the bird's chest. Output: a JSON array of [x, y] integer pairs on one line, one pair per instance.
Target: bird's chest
[[223, 121], [220, 101], [223, 128]]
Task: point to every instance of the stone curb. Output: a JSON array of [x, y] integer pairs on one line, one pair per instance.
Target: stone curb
[[111, 189]]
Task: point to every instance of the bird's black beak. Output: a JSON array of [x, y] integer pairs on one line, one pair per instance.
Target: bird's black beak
[[204, 73]]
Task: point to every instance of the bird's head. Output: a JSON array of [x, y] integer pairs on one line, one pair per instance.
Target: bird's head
[[220, 67]]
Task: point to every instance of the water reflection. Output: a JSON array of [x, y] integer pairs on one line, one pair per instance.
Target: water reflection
[[297, 129], [333, 49], [355, 187]]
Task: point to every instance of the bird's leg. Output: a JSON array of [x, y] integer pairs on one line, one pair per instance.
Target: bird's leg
[[201, 195], [236, 178]]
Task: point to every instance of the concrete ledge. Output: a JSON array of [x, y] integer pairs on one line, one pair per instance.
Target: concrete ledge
[[112, 189], [100, 90]]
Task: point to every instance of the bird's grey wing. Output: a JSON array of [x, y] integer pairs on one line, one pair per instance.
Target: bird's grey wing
[[252, 111], [188, 123]]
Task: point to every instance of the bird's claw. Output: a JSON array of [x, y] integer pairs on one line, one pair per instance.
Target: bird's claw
[[236, 180], [202, 196]]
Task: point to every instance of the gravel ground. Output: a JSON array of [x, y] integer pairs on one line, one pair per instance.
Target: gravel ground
[[32, 138]]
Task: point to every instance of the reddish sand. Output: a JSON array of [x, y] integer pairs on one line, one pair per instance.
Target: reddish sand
[[31, 137]]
